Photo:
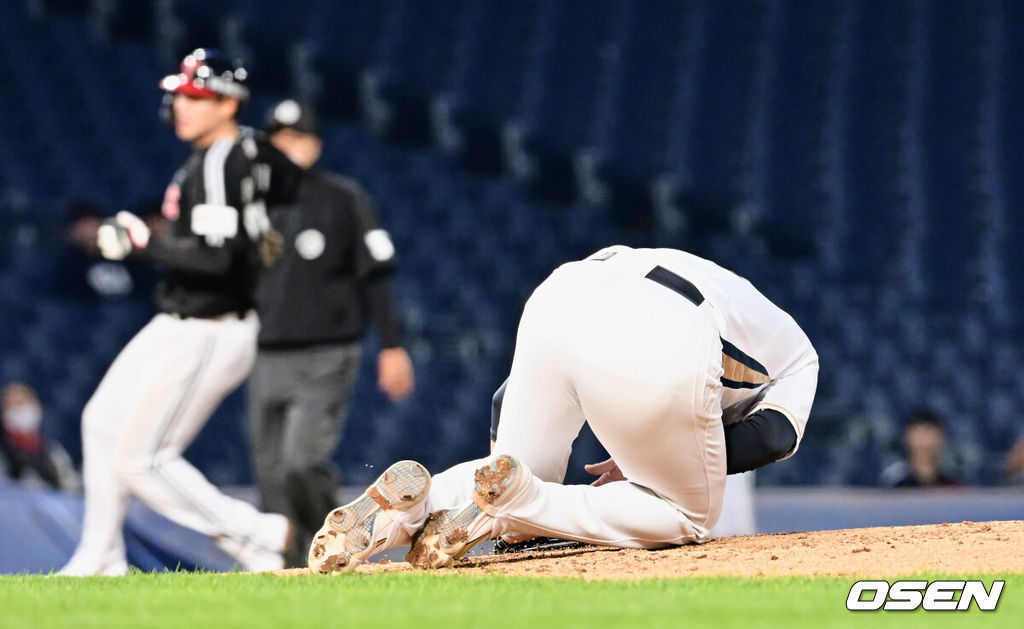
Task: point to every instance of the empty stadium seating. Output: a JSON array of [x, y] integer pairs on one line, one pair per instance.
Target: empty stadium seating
[[856, 160]]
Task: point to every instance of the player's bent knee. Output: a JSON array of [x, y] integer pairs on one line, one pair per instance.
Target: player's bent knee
[[137, 471], [101, 413], [132, 474]]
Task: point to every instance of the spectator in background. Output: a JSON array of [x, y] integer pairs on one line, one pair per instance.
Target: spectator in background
[[331, 281], [924, 438], [26, 453], [82, 273], [1013, 467]]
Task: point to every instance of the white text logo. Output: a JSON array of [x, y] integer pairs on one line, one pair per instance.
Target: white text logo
[[936, 596]]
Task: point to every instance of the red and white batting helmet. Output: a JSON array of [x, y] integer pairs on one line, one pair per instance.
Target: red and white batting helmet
[[206, 73]]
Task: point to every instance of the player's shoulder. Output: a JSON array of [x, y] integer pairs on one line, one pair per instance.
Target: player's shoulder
[[696, 264], [231, 153], [252, 146], [690, 265], [252, 149]]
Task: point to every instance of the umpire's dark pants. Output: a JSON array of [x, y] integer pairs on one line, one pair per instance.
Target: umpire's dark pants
[[298, 404]]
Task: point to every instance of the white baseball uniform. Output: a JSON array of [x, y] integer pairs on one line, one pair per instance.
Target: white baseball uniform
[[151, 403], [164, 385], [655, 349]]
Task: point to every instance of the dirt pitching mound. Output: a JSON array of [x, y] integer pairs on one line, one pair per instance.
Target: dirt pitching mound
[[966, 547]]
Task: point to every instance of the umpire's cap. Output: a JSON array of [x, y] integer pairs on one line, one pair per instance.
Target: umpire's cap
[[291, 114], [206, 73]]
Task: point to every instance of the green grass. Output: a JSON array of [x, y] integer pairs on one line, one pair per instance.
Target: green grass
[[431, 601]]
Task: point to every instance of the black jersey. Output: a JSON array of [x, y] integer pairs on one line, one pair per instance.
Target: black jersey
[[216, 208], [331, 279]]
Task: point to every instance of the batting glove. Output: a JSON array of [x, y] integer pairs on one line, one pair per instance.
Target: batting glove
[[136, 228], [118, 236], [113, 240]]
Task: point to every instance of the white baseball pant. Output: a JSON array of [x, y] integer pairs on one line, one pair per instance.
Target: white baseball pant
[[158, 393], [642, 365]]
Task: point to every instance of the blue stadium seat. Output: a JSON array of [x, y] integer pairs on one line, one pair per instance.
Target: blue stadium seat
[[857, 161], [481, 90], [416, 51], [1011, 107], [953, 86], [711, 171], [131, 21], [264, 34], [556, 112], [74, 7], [633, 112], [202, 24], [344, 39], [881, 41], [794, 200]]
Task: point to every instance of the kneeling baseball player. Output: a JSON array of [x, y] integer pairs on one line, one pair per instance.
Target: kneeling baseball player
[[684, 371]]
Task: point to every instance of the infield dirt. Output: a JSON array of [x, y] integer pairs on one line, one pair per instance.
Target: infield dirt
[[964, 547]]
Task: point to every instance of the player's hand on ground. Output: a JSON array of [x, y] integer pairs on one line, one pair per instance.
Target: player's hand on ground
[[395, 374], [606, 472]]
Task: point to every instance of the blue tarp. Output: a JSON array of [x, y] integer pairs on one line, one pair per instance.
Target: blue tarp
[[40, 528]]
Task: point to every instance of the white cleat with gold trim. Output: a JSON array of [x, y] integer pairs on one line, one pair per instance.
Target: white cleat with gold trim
[[353, 532]]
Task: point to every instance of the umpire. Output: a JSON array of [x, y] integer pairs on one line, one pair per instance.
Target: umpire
[[315, 304]]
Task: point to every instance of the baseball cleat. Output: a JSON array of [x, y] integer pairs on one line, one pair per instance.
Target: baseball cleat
[[449, 534], [353, 532]]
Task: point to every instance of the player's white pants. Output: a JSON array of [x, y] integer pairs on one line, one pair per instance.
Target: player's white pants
[[158, 393], [641, 364]]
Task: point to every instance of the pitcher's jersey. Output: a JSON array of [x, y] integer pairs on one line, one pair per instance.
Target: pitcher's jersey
[[768, 361]]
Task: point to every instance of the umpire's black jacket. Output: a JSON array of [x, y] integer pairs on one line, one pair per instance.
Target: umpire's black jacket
[[332, 278]]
